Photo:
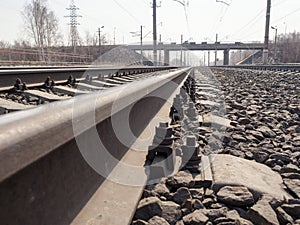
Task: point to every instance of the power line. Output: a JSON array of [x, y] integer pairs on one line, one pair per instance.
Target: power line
[[129, 13], [287, 15], [255, 31], [254, 20]]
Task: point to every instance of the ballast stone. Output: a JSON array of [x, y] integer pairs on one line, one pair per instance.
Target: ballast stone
[[259, 179]]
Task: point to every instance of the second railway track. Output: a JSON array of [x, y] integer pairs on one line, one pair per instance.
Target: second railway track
[[29, 88]]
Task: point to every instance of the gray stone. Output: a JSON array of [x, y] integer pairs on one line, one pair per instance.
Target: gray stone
[[244, 121], [283, 217], [260, 157], [235, 216], [208, 202], [291, 175], [147, 208], [197, 193], [181, 179], [242, 221], [163, 198], [258, 178], [179, 223], [185, 211], [258, 135], [188, 204], [209, 193], [197, 204], [156, 220], [224, 220], [195, 218], [293, 185], [217, 205], [171, 212], [239, 138], [213, 214], [262, 214], [290, 168], [139, 222], [236, 196], [271, 162], [293, 210], [181, 195], [282, 157], [237, 153], [267, 132], [237, 106], [232, 214], [161, 189], [248, 155]]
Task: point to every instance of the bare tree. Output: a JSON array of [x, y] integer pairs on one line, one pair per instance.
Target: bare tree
[[4, 44], [41, 24], [90, 39]]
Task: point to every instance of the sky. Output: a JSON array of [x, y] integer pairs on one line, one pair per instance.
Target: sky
[[201, 20]]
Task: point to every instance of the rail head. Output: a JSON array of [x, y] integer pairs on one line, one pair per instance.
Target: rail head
[[29, 135]]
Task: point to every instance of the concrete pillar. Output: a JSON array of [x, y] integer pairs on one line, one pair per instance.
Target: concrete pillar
[[226, 57], [167, 57]]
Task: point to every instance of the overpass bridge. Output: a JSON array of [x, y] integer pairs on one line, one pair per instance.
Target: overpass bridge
[[204, 46]]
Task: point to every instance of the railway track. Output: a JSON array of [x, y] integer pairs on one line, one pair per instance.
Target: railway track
[[92, 157], [24, 94], [276, 67]]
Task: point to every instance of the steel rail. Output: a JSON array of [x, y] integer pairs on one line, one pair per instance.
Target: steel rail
[[42, 169], [21, 131], [38, 75]]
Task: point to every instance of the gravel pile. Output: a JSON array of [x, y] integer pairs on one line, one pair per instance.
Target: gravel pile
[[264, 108]]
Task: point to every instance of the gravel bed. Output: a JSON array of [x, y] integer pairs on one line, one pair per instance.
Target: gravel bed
[[264, 110], [20, 97]]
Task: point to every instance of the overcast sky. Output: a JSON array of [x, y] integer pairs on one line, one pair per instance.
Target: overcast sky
[[242, 20]]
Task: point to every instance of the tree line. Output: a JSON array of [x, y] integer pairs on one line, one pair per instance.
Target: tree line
[[288, 48]]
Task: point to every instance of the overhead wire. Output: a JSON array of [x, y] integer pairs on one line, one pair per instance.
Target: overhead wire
[[255, 19], [255, 31], [127, 11], [285, 16], [223, 12]]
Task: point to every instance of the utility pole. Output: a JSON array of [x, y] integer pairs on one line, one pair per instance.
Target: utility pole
[[208, 58], [159, 59], [181, 42], [114, 36], [139, 34], [275, 49], [266, 44], [99, 34], [154, 34], [142, 45], [216, 52]]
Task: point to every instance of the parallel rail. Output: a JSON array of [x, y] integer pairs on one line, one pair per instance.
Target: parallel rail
[[277, 67], [44, 178], [36, 75]]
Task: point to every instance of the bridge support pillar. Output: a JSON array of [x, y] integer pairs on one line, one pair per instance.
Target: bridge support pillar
[[226, 57], [166, 57]]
